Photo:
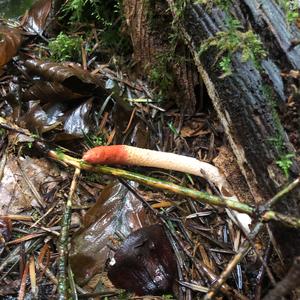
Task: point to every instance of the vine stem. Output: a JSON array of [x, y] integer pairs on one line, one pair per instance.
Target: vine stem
[[64, 239]]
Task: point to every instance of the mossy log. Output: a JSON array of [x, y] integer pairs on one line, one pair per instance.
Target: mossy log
[[246, 100]]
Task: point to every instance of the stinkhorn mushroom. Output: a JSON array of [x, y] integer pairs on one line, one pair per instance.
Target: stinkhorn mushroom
[[128, 155]]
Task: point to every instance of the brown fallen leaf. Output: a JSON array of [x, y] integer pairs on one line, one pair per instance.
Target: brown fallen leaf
[[10, 42], [145, 263], [116, 210], [36, 19], [69, 75]]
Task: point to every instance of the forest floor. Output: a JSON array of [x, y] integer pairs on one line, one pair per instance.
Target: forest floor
[[60, 226]]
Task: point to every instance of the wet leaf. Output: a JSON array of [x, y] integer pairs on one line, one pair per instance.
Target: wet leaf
[[10, 42], [36, 19], [46, 91], [79, 121], [40, 119], [116, 210], [145, 263], [71, 76]]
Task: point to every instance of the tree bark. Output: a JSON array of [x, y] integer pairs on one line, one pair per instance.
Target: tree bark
[[245, 109], [247, 100]]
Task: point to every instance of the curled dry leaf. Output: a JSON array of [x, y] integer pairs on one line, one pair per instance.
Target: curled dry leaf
[[10, 41]]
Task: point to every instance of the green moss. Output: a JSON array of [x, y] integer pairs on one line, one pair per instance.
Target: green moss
[[284, 160], [223, 4], [291, 9], [107, 17], [160, 74], [234, 40], [65, 47]]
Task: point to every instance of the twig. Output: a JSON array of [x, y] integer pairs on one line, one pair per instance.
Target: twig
[[72, 283], [23, 283], [3, 163], [148, 181], [282, 193], [233, 263], [32, 276], [63, 241], [261, 273], [31, 187], [247, 245]]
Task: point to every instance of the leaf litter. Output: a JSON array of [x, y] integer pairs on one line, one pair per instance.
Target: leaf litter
[[167, 243]]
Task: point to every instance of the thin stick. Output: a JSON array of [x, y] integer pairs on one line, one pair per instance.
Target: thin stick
[[23, 283], [247, 245], [63, 241], [233, 263]]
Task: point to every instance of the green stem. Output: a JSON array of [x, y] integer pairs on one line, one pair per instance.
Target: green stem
[[64, 239]]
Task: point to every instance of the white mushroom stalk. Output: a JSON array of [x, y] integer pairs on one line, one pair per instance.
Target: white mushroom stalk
[[128, 155]]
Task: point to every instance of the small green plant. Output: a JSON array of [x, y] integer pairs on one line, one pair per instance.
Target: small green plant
[[65, 48], [291, 9], [160, 74], [82, 10], [233, 40], [93, 140], [223, 4], [285, 159], [225, 65], [285, 162], [107, 17], [75, 8], [2, 132]]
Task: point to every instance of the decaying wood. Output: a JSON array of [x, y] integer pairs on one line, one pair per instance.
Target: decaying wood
[[145, 20], [242, 105]]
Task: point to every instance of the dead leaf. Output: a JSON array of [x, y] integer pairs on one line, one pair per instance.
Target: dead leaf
[[116, 210], [145, 263], [46, 91], [69, 75], [10, 42], [36, 19]]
